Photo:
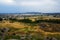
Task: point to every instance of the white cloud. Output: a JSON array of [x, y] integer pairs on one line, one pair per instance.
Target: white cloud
[[38, 3], [28, 3], [32, 3], [7, 2]]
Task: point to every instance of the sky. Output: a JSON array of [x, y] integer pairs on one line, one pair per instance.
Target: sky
[[18, 6]]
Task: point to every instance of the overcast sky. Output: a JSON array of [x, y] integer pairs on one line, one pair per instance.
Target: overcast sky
[[17, 6]]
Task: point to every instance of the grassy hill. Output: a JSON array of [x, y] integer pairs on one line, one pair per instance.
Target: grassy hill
[[38, 30]]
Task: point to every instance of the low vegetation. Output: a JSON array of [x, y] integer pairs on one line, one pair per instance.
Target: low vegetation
[[29, 30]]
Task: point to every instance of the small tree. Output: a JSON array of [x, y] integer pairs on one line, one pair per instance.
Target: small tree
[[1, 19]]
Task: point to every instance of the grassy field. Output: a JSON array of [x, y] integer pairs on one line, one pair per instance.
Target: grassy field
[[29, 30]]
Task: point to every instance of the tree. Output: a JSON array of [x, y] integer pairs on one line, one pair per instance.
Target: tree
[[1, 19]]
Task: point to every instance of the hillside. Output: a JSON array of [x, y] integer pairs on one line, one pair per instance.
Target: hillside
[[37, 31], [45, 26], [36, 27]]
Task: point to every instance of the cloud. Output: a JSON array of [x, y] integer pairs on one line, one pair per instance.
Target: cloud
[[28, 3], [37, 3], [32, 5], [7, 2]]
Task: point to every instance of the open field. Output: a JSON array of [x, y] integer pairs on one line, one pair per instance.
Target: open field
[[43, 29], [29, 28]]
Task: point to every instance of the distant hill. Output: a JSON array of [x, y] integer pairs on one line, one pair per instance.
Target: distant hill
[[29, 14], [32, 13]]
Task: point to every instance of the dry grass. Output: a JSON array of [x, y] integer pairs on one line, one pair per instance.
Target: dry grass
[[23, 25], [15, 24]]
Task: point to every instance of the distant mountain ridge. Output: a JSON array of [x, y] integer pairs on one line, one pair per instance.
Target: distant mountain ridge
[[31, 13]]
